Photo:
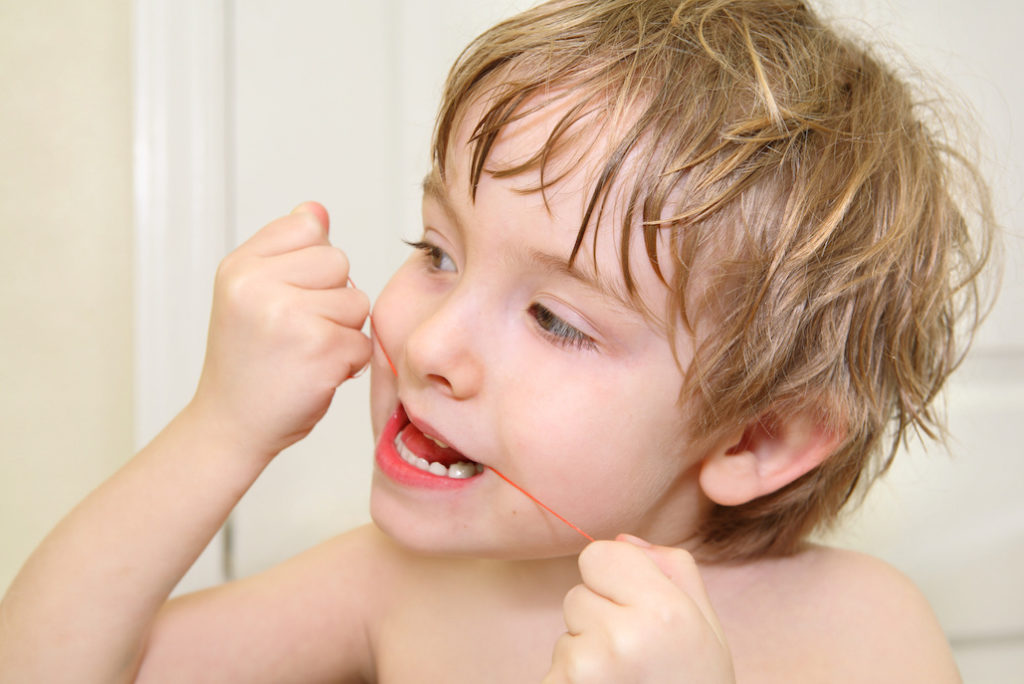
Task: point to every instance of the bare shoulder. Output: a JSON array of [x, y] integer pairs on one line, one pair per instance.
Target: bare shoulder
[[307, 619], [888, 629], [838, 616]]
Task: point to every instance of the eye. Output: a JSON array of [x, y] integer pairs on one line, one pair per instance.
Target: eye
[[437, 257], [558, 330]]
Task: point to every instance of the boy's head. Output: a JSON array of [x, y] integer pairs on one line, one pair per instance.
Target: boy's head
[[819, 258]]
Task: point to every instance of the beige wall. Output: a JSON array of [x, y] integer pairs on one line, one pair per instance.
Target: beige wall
[[65, 260]]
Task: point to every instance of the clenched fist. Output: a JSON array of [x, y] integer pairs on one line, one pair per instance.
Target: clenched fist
[[285, 331], [641, 615]]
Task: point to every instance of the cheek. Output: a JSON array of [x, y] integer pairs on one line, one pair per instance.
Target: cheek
[[401, 306], [614, 427], [390, 318]]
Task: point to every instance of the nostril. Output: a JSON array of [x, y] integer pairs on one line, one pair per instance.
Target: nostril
[[439, 379]]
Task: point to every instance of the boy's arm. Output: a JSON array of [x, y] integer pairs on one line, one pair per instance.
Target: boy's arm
[[285, 332], [299, 621]]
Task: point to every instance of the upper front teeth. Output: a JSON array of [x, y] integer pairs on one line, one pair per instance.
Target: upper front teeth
[[456, 471], [437, 441]]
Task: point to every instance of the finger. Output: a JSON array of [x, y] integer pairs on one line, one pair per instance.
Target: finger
[[680, 568], [317, 210], [294, 231], [629, 575], [619, 571], [357, 350], [346, 352], [579, 659], [560, 657], [316, 267], [582, 609], [345, 306]]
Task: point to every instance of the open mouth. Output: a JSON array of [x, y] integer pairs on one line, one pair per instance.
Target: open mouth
[[429, 454]]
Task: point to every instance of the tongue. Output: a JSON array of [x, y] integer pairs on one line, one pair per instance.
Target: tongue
[[424, 447]]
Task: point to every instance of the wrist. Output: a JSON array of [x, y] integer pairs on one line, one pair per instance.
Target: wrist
[[223, 434]]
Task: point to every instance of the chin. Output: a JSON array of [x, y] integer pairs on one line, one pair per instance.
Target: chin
[[421, 533]]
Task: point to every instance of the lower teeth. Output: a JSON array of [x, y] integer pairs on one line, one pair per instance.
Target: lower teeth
[[456, 471]]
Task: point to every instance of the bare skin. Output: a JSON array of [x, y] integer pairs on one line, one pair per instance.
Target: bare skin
[[856, 620]]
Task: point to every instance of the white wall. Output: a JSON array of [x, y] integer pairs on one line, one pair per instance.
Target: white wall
[[65, 260]]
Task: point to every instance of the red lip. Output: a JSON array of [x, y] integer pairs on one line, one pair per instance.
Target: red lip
[[391, 464]]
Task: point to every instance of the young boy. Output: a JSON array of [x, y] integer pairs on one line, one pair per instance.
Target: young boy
[[687, 270]]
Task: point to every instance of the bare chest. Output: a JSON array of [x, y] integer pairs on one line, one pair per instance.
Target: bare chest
[[427, 644]]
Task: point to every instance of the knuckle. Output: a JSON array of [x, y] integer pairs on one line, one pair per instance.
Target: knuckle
[[587, 667], [680, 617], [362, 304], [353, 306], [228, 268], [573, 597], [238, 286], [361, 349], [681, 563], [627, 644], [349, 352], [341, 261], [595, 555], [682, 558], [281, 315], [308, 227]]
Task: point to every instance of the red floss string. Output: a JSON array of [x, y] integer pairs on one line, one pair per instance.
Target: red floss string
[[539, 503], [497, 472]]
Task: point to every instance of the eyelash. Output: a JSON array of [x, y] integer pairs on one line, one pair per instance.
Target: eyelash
[[434, 254], [558, 330], [553, 327]]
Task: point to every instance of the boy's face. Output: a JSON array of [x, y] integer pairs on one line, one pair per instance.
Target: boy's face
[[516, 361]]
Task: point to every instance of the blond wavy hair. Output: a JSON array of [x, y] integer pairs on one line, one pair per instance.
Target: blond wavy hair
[[815, 198]]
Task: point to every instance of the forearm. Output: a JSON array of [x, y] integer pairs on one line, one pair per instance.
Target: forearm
[[82, 605]]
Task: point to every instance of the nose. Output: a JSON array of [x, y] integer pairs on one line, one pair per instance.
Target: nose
[[443, 350]]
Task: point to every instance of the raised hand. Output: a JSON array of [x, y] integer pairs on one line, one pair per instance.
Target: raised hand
[[284, 333], [641, 615]]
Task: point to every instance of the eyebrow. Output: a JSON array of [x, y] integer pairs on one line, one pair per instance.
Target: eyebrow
[[594, 281], [434, 188]]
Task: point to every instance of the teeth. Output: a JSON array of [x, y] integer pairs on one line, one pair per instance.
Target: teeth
[[461, 470], [437, 442], [456, 471]]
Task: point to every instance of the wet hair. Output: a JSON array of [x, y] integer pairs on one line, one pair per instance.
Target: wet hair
[[824, 235]]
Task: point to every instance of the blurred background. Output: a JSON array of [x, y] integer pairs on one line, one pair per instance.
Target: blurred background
[[140, 141]]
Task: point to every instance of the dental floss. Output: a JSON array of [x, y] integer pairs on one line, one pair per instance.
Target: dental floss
[[539, 503], [373, 329], [497, 472]]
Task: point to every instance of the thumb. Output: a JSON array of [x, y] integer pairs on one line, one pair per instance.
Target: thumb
[[317, 210], [681, 569], [676, 564]]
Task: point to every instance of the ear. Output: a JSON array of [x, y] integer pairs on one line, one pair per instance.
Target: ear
[[768, 455]]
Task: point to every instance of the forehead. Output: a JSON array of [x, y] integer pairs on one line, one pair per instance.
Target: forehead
[[559, 177]]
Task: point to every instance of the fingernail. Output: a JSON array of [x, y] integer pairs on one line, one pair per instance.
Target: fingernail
[[635, 541]]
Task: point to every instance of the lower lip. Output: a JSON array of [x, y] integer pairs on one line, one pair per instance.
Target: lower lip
[[395, 467]]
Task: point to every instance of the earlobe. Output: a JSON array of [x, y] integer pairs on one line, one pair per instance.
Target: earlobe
[[766, 457]]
